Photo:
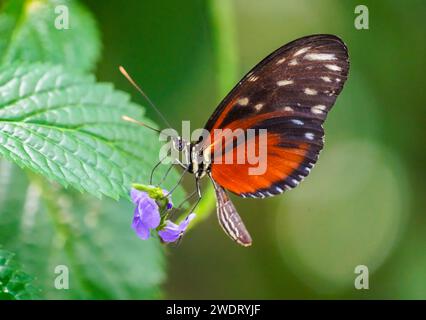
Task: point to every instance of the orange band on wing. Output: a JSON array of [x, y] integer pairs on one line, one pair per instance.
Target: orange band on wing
[[243, 124], [224, 113], [280, 163]]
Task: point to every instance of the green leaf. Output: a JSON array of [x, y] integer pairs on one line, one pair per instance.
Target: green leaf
[[48, 226], [68, 128], [28, 34], [14, 283]]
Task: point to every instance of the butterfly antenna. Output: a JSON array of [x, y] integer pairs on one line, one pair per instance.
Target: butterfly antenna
[[126, 118], [129, 78]]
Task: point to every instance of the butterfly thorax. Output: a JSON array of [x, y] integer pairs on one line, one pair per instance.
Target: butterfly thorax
[[193, 157], [199, 163]]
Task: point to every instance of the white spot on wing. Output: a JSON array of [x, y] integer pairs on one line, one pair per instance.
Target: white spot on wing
[[309, 135], [258, 106], [243, 101], [318, 109], [288, 109], [303, 50], [282, 83], [280, 61], [278, 189], [253, 78], [293, 62], [326, 79], [333, 67], [310, 92], [297, 121], [320, 56]]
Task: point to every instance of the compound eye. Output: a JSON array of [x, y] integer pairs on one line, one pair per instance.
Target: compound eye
[[180, 145]]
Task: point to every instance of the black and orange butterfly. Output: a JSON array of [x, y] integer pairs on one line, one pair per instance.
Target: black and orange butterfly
[[289, 93]]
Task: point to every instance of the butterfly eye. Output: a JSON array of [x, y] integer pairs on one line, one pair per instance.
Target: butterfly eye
[[178, 144]]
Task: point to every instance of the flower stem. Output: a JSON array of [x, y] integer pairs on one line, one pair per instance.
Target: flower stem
[[225, 44], [222, 19]]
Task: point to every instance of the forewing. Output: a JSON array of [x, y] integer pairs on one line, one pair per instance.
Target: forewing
[[289, 94]]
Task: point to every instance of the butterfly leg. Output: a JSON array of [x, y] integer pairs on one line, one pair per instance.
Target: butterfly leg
[[165, 175], [155, 167], [198, 190], [193, 193], [178, 183], [173, 189]]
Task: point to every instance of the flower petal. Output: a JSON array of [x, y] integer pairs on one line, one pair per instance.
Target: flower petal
[[146, 215], [184, 224], [141, 230], [149, 213], [172, 232], [137, 195]]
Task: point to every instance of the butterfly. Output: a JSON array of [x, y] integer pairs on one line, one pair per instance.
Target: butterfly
[[286, 98]]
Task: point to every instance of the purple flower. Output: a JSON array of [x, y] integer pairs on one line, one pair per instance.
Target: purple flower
[[146, 216], [169, 204], [172, 232], [150, 202]]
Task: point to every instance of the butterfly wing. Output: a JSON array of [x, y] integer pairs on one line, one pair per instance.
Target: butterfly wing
[[229, 218], [289, 94]]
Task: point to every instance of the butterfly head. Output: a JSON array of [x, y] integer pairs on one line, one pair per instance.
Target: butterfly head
[[181, 151], [179, 144]]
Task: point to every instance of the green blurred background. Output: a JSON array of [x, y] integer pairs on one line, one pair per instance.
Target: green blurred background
[[364, 202]]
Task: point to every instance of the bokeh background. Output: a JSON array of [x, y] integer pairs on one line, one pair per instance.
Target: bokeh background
[[364, 202]]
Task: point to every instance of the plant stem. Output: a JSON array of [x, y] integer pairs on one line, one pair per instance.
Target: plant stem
[[222, 19], [225, 44]]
